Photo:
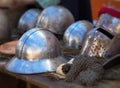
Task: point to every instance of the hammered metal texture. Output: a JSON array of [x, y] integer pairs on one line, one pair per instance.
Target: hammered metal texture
[[97, 43]]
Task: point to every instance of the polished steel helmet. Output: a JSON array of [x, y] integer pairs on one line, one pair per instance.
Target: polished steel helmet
[[56, 19], [38, 51], [28, 20], [98, 43], [75, 34], [4, 27], [109, 22], [47, 3]]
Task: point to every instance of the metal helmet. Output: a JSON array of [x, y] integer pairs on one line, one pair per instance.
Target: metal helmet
[[4, 27], [109, 22], [47, 3], [56, 19], [75, 34], [28, 20], [98, 43], [37, 51]]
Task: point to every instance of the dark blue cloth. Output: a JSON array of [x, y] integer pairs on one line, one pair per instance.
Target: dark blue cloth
[[81, 9]]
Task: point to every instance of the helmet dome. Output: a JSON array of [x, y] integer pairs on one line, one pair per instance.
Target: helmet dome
[[28, 20], [75, 34], [56, 19]]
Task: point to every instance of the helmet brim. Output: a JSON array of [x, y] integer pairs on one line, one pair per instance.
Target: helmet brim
[[22, 66]]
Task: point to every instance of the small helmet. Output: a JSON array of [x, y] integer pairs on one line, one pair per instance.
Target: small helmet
[[38, 51], [28, 20], [56, 19], [47, 3], [4, 27], [109, 18], [75, 34]]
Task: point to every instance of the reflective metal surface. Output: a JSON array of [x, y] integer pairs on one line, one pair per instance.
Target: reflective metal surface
[[56, 19], [28, 20], [75, 34], [110, 23], [114, 47], [112, 62], [4, 27], [37, 51], [97, 43], [47, 3]]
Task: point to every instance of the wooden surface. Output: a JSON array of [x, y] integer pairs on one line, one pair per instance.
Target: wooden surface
[[41, 80], [45, 81]]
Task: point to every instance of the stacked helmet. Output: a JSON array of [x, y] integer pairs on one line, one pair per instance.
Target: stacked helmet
[[56, 19], [37, 51], [4, 27], [75, 34], [28, 20]]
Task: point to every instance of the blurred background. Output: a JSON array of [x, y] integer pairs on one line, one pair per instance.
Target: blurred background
[[96, 5]]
